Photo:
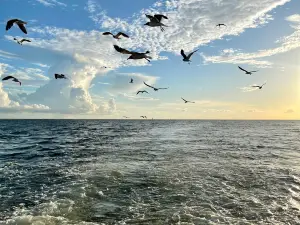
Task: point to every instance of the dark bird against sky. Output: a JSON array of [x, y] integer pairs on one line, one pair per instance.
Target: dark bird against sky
[[155, 89], [155, 21], [259, 86], [21, 41], [133, 55], [186, 101], [13, 79], [20, 23], [187, 58], [142, 92], [247, 72], [117, 36], [60, 76]]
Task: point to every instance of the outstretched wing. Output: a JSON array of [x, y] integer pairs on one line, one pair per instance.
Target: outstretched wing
[[138, 92], [107, 33], [182, 53], [122, 50], [184, 99], [26, 40], [189, 56], [243, 69], [255, 86], [159, 17], [162, 88], [254, 71], [10, 23], [22, 27], [8, 77], [151, 17], [122, 34], [148, 85]]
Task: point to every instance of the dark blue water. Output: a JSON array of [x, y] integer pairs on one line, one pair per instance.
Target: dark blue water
[[149, 172]]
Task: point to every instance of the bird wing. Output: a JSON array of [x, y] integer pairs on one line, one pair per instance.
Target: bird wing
[[257, 86], [10, 23], [56, 76], [8, 77], [122, 50], [151, 17], [25, 40], [254, 71], [182, 53], [148, 85], [162, 88], [184, 100], [146, 92], [159, 17], [264, 84], [107, 33], [122, 34], [22, 27], [189, 56], [243, 69], [138, 92]]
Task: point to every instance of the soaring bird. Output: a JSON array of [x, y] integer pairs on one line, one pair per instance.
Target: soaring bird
[[185, 101], [155, 21], [187, 58], [117, 36], [126, 117], [155, 89], [144, 117], [60, 76], [21, 41], [131, 81], [221, 24], [133, 55], [20, 23], [259, 87], [13, 79], [142, 92], [247, 72]]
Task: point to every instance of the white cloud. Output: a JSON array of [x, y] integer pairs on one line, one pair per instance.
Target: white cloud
[[51, 3], [294, 18]]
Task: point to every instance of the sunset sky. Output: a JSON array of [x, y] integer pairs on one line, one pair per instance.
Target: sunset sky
[[67, 39]]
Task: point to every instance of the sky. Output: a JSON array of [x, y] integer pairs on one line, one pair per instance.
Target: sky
[[66, 38]]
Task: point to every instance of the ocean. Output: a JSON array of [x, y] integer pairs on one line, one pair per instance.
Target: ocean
[[149, 172]]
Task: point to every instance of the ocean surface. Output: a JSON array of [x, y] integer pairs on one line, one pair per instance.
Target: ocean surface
[[149, 172]]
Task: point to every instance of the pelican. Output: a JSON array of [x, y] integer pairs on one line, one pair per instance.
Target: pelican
[[13, 79], [259, 87], [60, 76], [155, 21], [117, 36], [133, 55], [185, 101], [247, 72], [187, 58], [142, 92], [21, 41], [155, 89], [20, 23]]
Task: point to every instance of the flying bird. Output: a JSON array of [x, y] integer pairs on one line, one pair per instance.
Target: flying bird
[[13, 79], [185, 101], [131, 81], [155, 89], [133, 55], [221, 24], [126, 117], [155, 21], [117, 36], [187, 58], [142, 92], [247, 72], [259, 87], [20, 23], [60, 76], [21, 41], [144, 117]]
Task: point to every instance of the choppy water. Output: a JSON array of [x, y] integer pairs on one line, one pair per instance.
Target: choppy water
[[149, 172]]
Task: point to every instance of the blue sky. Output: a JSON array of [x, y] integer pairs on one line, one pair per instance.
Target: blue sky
[[67, 38]]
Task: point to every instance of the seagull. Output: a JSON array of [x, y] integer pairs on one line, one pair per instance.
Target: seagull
[[155, 89], [187, 58], [259, 87], [144, 117], [60, 76], [21, 41], [155, 21], [13, 79], [20, 23], [131, 81], [185, 101], [142, 92], [221, 24], [126, 117], [134, 55], [117, 36], [247, 72]]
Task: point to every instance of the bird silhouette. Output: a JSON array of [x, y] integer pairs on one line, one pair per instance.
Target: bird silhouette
[[221, 24], [60, 76], [155, 89], [259, 86], [117, 36], [133, 55], [142, 92], [13, 79], [247, 72], [20, 23], [131, 81], [155, 21], [21, 41], [185, 57], [185, 101]]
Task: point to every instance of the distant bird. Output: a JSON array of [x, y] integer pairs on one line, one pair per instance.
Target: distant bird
[[144, 117], [185, 101], [117, 36], [131, 81], [20, 23], [142, 92], [134, 55], [247, 72], [21, 41], [259, 87], [221, 24], [126, 117], [155, 89], [13, 79], [155, 21], [60, 76], [187, 58]]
